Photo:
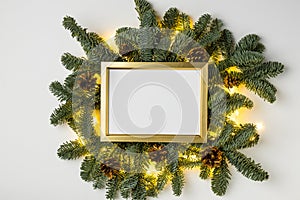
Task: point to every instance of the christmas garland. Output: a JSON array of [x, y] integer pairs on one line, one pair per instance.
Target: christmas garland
[[141, 170]]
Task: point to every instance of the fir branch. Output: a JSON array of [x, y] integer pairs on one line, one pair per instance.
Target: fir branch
[[182, 44], [247, 166], [184, 22], [245, 59], [71, 62], [70, 80], [265, 70], [262, 88], [250, 42], [72, 124], [216, 25], [146, 13], [162, 179], [204, 172], [127, 36], [251, 142], [140, 192], [61, 114], [112, 187], [142, 6], [227, 42], [224, 64], [88, 168], [71, 150], [129, 182], [187, 164], [61, 92], [150, 185], [85, 127], [102, 52], [178, 182], [221, 178], [237, 101], [201, 26], [170, 19], [225, 135], [241, 138], [99, 181], [149, 20], [209, 38], [146, 43], [88, 40]]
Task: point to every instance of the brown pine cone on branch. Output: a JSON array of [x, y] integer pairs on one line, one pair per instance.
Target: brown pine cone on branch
[[198, 54], [230, 80], [158, 153], [86, 81], [110, 167], [211, 157]]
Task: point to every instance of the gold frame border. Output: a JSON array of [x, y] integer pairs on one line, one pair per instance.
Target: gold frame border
[[176, 137]]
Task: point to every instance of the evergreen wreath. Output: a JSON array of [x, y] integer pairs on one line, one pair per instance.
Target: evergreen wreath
[[109, 165]]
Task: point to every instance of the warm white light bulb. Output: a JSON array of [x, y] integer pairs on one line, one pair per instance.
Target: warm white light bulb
[[259, 126]]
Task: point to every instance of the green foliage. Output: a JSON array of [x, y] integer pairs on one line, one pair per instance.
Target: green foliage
[[171, 19], [227, 42], [87, 40], [209, 38], [112, 187], [142, 6], [242, 135], [225, 135], [61, 114], [264, 71], [245, 59], [99, 180], [250, 42], [184, 22], [178, 182], [237, 101], [146, 13], [63, 93], [201, 26], [262, 88], [247, 166], [128, 184], [71, 150], [204, 172], [70, 80], [221, 178], [71, 62], [188, 164], [162, 179], [140, 192], [149, 20], [88, 168]]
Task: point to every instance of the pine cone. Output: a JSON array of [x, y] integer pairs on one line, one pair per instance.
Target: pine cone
[[110, 167], [230, 80], [158, 153], [124, 49], [198, 54], [87, 81], [211, 157]]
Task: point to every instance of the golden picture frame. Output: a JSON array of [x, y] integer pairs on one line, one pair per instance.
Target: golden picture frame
[[107, 135]]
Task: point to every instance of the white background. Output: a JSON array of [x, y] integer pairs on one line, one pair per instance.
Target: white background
[[32, 41]]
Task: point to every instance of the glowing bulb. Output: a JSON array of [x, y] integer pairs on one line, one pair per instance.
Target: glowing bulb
[[252, 138], [259, 126], [236, 113], [152, 170], [193, 157], [184, 156]]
